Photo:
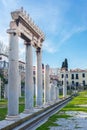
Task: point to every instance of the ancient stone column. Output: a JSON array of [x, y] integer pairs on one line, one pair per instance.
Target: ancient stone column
[[39, 89], [0, 88], [19, 84], [57, 93], [29, 79], [46, 85], [64, 86], [6, 91], [52, 91], [13, 73], [49, 91]]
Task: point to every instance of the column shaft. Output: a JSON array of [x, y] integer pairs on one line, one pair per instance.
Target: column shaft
[[29, 79], [6, 91], [52, 92], [13, 74], [39, 89], [19, 84], [46, 84], [57, 93], [64, 86]]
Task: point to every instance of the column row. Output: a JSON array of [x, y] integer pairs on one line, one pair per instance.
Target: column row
[[50, 92], [13, 78]]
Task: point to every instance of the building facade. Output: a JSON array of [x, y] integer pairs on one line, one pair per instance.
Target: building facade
[[76, 77]]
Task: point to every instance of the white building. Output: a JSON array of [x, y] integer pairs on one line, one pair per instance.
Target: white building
[[76, 77], [3, 61]]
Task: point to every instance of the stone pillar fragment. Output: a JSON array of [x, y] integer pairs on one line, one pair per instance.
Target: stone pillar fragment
[[19, 84], [46, 85], [52, 92], [29, 79], [6, 91], [64, 86], [39, 89], [57, 93], [13, 74]]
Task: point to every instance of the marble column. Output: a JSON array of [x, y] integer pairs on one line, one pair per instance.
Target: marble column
[[57, 93], [52, 92], [64, 86], [19, 84], [13, 74], [0, 88], [39, 89], [6, 91], [49, 91], [46, 85], [29, 100]]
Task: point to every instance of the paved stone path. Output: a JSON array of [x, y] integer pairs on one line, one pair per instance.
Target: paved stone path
[[78, 121]]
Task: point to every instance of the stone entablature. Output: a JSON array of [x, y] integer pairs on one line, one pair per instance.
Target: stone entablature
[[26, 28]]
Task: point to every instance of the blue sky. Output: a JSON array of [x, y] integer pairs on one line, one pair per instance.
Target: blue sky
[[64, 23]]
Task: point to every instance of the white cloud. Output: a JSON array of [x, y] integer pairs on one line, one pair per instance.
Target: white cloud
[[9, 3], [66, 35], [49, 47]]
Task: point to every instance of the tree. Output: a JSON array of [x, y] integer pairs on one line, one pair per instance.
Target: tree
[[3, 49], [65, 64]]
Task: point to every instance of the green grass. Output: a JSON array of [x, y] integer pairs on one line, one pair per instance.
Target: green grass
[[71, 106], [3, 107], [3, 113], [52, 121]]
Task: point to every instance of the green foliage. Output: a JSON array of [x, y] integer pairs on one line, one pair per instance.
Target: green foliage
[[65, 64]]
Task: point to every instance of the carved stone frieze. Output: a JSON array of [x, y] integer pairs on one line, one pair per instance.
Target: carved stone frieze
[[26, 28]]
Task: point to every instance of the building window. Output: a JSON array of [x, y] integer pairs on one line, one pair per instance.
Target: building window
[[67, 82], [83, 82], [77, 77], [72, 76], [0, 58], [33, 72], [62, 82], [72, 82], [62, 76], [66, 75], [77, 84], [83, 75]]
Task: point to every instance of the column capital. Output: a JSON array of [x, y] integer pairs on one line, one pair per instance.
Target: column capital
[[12, 31]]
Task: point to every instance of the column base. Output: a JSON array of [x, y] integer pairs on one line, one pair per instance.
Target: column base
[[28, 111], [46, 104], [12, 118], [39, 106]]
